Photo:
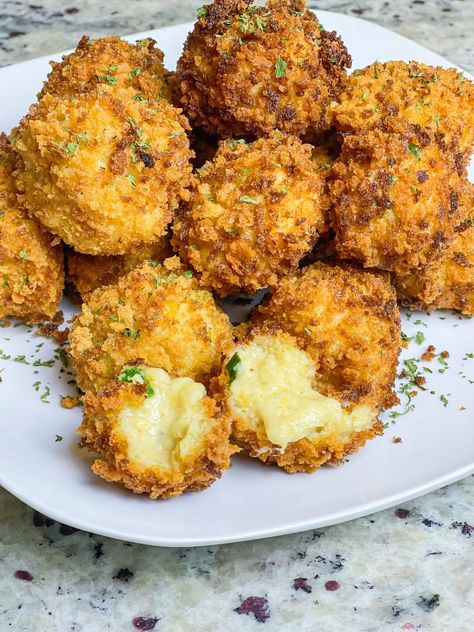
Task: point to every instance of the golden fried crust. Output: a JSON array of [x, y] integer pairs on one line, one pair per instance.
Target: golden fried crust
[[348, 321], [394, 96], [31, 260], [103, 171], [448, 283], [157, 313], [101, 433], [304, 455], [247, 70], [395, 200], [254, 213], [85, 273], [111, 63]]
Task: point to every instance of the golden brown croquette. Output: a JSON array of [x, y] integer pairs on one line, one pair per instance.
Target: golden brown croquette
[[31, 260], [246, 70], [255, 211], [158, 313]]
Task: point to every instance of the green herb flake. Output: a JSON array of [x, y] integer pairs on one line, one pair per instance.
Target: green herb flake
[[142, 42], [134, 72], [420, 338], [134, 375], [58, 438], [201, 12], [280, 68], [415, 150], [23, 254], [444, 400], [249, 200], [131, 178], [131, 333], [188, 274], [233, 367]]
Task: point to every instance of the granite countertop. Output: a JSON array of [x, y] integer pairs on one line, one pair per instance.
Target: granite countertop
[[407, 568]]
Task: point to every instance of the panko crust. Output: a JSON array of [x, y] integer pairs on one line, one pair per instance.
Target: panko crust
[[103, 171], [111, 63], [348, 321], [254, 212], [304, 455], [448, 283], [246, 70], [100, 433], [395, 199], [395, 95], [156, 312], [31, 260], [86, 273]]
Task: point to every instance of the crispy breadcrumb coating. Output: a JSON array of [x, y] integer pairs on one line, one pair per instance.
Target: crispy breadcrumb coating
[[447, 283], [395, 96], [31, 260], [276, 395], [246, 70], [395, 200], [102, 170], [157, 313], [256, 210], [111, 63], [85, 273], [156, 435], [348, 321]]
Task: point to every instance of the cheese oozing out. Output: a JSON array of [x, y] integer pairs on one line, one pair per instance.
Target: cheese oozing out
[[170, 425], [273, 390]]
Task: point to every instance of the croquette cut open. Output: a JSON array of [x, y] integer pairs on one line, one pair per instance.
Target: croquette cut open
[[255, 211], [156, 312], [246, 70], [155, 433], [306, 383], [31, 259]]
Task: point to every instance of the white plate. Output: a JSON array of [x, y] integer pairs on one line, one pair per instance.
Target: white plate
[[251, 500]]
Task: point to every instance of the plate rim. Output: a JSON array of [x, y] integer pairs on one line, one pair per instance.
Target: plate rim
[[290, 527]]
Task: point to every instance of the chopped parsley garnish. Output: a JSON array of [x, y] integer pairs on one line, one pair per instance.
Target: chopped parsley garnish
[[201, 12], [188, 274], [134, 72], [131, 333], [444, 400], [249, 200], [71, 149], [23, 254], [58, 438], [414, 149], [131, 177], [280, 68], [233, 367], [139, 98], [134, 375], [142, 42], [420, 338]]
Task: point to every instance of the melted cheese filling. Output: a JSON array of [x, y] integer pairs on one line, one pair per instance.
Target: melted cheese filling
[[169, 426], [273, 389]]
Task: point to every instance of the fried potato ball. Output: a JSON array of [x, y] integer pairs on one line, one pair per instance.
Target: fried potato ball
[[307, 379], [254, 213], [103, 171], [347, 319], [395, 96], [85, 273], [156, 434], [394, 200], [246, 70], [157, 313], [447, 283], [111, 63], [31, 260]]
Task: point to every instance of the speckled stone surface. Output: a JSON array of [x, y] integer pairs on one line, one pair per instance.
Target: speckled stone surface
[[408, 568]]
